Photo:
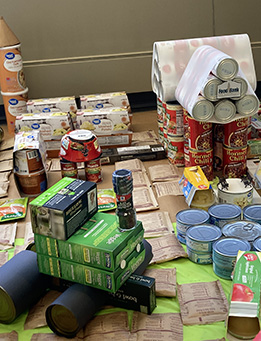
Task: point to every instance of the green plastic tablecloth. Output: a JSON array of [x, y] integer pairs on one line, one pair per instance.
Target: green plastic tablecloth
[[186, 272]]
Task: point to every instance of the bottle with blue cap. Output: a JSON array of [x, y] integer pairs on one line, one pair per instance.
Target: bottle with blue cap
[[123, 186]]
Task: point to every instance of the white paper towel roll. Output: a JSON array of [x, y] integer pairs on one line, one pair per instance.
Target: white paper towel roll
[[173, 56]]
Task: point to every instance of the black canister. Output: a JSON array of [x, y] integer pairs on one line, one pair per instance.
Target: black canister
[[123, 186]]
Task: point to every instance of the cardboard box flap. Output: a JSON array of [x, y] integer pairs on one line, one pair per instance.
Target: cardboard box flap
[[7, 37]]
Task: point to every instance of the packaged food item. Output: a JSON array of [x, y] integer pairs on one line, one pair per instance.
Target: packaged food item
[[106, 199], [105, 100], [244, 306], [12, 209]]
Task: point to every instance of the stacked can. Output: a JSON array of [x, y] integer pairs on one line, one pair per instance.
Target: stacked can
[[12, 79], [199, 145], [235, 148], [123, 186], [175, 132]]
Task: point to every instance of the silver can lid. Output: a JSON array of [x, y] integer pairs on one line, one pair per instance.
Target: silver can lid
[[211, 88], [248, 105], [203, 110], [225, 110], [243, 85], [227, 69]]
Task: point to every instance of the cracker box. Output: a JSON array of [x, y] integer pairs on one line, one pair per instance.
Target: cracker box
[[101, 279], [64, 208], [243, 317], [99, 243], [106, 100], [137, 293], [104, 121]]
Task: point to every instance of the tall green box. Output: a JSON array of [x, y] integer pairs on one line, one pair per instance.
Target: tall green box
[[99, 243], [109, 281]]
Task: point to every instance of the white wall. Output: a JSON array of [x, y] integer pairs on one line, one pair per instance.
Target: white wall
[[73, 47]]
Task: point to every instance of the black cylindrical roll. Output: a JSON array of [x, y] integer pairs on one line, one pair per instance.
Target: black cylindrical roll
[[77, 304], [73, 309], [21, 285]]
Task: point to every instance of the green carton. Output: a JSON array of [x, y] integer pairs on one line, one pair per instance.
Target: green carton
[[99, 243], [64, 208], [87, 275]]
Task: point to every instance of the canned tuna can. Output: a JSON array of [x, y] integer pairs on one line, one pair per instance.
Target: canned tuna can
[[248, 105], [226, 69], [203, 109], [243, 87], [257, 245], [189, 217], [210, 88], [225, 110], [176, 150], [200, 134], [201, 237], [224, 255], [235, 133], [202, 158], [181, 237], [221, 214], [199, 257], [68, 169], [93, 170], [234, 161], [174, 112], [243, 229], [218, 156], [252, 213]]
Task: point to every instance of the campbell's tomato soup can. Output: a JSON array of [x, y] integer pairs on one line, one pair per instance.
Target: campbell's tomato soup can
[[93, 170], [204, 159], [27, 161], [234, 161], [174, 113], [12, 78], [15, 104], [68, 169], [176, 150], [236, 133], [200, 134]]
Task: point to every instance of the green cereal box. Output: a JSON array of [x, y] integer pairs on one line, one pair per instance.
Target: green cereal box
[[99, 243], [87, 275], [244, 308], [64, 208]]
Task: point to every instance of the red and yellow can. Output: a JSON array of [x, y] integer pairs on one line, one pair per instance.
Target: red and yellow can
[[93, 170], [176, 150], [202, 158], [236, 133]]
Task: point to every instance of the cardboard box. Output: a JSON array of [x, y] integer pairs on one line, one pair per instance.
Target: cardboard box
[[87, 275], [51, 125], [106, 100], [144, 153], [116, 140], [137, 293], [243, 317], [99, 243], [64, 208], [105, 121]]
